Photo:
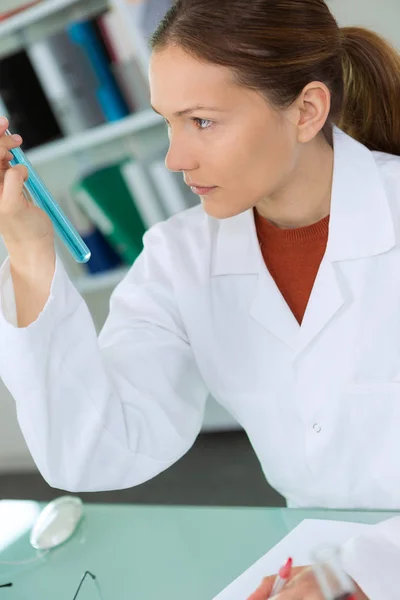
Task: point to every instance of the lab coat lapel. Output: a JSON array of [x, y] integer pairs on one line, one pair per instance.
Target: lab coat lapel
[[269, 308], [360, 225], [361, 221], [326, 299], [237, 253]]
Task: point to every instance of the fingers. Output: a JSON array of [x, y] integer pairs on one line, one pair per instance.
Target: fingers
[[7, 142], [12, 188], [3, 125], [301, 592], [302, 587], [10, 141], [264, 590], [5, 154]]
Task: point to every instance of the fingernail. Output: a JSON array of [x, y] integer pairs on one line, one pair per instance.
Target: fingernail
[[17, 137], [3, 121]]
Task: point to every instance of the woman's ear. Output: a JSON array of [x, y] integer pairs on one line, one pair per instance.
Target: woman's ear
[[313, 106]]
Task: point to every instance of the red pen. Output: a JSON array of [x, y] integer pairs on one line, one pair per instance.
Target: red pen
[[282, 578]]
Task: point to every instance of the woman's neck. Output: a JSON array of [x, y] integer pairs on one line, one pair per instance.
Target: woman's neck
[[305, 197]]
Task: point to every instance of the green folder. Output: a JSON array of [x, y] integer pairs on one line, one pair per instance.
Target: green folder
[[104, 196]]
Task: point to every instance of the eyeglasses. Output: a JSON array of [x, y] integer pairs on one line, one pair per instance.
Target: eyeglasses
[[82, 581], [94, 578]]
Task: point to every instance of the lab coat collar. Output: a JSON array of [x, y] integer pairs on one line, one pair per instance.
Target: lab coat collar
[[360, 225], [236, 247]]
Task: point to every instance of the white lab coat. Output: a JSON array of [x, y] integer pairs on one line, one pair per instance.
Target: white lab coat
[[372, 560], [199, 313]]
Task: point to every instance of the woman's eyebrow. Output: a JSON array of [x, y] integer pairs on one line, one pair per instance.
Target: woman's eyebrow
[[181, 113]]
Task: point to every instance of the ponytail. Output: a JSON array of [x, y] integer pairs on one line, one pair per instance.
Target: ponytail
[[371, 108]]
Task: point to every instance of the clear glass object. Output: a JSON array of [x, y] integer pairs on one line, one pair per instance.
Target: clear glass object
[[43, 199], [334, 582]]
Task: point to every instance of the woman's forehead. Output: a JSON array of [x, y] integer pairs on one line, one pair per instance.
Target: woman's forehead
[[179, 81], [172, 63]]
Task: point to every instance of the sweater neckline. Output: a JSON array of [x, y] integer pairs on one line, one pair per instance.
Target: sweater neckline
[[310, 233]]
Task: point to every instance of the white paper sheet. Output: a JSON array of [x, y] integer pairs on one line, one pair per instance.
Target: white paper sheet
[[298, 544]]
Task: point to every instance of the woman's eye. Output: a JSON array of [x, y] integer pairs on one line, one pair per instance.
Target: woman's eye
[[202, 123]]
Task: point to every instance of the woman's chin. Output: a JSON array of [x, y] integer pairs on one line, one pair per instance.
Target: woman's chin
[[220, 209]]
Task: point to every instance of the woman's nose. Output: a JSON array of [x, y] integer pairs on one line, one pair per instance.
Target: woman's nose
[[180, 158]]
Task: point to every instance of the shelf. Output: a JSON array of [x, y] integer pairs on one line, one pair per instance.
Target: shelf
[[43, 19], [93, 138], [87, 284]]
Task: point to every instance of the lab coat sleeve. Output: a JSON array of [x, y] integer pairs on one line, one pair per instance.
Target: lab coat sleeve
[[108, 413], [373, 560]]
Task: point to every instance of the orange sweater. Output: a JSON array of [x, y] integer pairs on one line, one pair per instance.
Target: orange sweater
[[293, 257]]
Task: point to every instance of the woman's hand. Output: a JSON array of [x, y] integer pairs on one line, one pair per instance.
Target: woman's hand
[[301, 586], [28, 236], [264, 590], [23, 226]]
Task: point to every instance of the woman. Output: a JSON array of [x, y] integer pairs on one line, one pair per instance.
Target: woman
[[299, 339]]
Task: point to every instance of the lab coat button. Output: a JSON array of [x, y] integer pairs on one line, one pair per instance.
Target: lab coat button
[[317, 428]]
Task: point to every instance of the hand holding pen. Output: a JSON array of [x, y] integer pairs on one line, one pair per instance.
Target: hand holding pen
[[273, 585], [304, 586], [282, 578], [300, 583]]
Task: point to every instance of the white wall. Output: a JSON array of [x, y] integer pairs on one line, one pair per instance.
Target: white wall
[[382, 16]]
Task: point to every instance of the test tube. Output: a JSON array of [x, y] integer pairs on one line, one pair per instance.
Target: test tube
[[333, 580], [42, 197]]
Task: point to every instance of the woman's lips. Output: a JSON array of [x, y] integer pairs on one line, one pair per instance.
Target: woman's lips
[[201, 190]]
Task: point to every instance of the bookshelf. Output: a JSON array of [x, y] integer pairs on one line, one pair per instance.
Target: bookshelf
[[45, 18], [138, 43], [103, 135], [142, 134], [35, 23]]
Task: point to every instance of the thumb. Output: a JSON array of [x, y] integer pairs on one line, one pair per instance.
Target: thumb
[[264, 590], [14, 179]]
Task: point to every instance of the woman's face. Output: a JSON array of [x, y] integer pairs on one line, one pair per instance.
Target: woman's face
[[237, 144]]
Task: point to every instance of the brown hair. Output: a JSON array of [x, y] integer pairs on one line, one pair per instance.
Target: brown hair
[[279, 46]]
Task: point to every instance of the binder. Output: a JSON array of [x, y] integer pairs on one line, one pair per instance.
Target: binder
[[133, 85], [69, 82], [109, 96], [105, 198], [103, 256], [143, 193]]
